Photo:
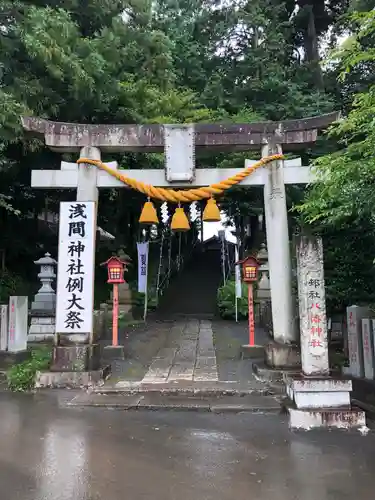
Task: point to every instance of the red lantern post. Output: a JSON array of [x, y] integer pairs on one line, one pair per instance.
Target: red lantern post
[[116, 268], [250, 267]]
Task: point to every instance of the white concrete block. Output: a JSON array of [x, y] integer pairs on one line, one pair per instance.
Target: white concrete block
[[322, 399], [320, 384], [339, 419], [318, 392]]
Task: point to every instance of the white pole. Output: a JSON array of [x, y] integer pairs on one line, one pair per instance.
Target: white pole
[[238, 284], [160, 263], [279, 258], [146, 304], [169, 254], [222, 240]]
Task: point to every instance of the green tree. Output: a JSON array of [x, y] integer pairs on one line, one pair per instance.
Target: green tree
[[346, 187], [340, 205]]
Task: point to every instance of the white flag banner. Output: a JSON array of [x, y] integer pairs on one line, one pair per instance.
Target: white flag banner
[[142, 266], [238, 275]]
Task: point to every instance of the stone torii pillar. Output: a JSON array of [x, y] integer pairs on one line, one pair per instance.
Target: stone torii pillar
[[181, 142], [282, 352]]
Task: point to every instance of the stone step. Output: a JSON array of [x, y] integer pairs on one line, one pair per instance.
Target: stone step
[[183, 387], [272, 376], [252, 403]]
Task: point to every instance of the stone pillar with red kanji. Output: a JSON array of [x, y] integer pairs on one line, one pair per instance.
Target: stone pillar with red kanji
[[317, 399], [312, 308]]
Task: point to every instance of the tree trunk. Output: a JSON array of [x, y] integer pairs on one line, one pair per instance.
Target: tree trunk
[[311, 44]]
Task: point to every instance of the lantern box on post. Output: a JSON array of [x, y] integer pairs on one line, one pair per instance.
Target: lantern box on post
[[116, 268], [250, 267]]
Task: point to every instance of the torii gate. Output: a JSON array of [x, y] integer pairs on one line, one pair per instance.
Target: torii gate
[[179, 142]]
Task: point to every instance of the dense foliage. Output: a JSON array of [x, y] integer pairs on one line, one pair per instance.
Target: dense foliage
[[226, 301], [341, 205], [21, 376], [169, 61]]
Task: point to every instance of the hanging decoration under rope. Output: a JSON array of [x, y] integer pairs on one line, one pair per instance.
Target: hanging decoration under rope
[[149, 215], [180, 221], [211, 213]]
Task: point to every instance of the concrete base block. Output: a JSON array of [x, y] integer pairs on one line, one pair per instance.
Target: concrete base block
[[252, 351], [76, 358], [42, 328], [325, 392], [40, 338], [272, 375], [326, 418], [70, 380], [282, 355], [111, 352]]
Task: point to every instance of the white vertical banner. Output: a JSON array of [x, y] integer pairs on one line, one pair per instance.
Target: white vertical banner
[[142, 249], [238, 275], [75, 275]]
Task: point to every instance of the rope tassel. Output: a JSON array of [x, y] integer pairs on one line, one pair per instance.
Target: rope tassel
[[148, 215], [211, 212], [179, 220]]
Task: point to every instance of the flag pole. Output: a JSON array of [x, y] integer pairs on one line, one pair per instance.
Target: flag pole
[[146, 303]]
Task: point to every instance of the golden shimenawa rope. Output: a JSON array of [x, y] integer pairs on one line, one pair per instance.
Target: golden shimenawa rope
[[178, 196]]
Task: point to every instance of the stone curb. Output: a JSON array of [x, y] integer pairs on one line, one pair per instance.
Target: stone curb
[[139, 403], [203, 409], [187, 392], [211, 389]]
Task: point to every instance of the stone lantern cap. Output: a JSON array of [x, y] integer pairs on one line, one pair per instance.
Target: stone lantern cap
[[262, 255], [47, 260]]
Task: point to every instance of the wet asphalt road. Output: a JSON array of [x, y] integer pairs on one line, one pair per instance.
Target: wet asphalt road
[[49, 452]]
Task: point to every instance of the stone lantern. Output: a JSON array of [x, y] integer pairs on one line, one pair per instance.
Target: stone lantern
[[263, 291], [43, 307], [262, 255]]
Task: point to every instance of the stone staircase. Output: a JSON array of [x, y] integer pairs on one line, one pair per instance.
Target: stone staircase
[[193, 292]]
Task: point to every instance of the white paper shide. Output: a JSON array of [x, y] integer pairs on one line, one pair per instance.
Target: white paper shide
[[75, 277]]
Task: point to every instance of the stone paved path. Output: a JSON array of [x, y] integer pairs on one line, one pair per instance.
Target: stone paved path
[[186, 354], [189, 354]]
